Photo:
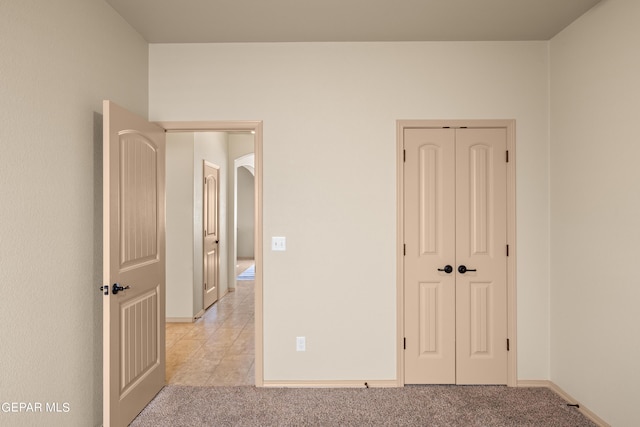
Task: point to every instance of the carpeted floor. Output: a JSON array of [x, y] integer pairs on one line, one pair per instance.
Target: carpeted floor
[[408, 406]]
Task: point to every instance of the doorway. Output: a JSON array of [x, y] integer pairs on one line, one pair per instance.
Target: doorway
[[134, 285], [456, 252], [254, 128], [243, 216]]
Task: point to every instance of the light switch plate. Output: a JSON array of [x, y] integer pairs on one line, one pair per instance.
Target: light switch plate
[[278, 243], [301, 344]]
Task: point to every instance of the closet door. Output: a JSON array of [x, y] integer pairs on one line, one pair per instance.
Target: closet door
[[455, 256], [481, 245], [429, 289]]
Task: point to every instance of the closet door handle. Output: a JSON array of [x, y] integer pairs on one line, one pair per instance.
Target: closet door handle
[[463, 269], [447, 269]]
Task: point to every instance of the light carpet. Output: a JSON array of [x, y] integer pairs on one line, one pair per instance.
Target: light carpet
[[406, 406]]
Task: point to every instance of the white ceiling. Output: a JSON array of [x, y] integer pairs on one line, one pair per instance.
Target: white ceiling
[[209, 21]]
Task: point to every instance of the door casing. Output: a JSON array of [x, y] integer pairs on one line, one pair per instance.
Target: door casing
[[509, 125]]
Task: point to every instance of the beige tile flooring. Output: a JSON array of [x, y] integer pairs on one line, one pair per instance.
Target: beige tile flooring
[[219, 348]]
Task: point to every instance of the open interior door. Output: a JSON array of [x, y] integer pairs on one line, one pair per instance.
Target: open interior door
[[134, 264], [211, 245]]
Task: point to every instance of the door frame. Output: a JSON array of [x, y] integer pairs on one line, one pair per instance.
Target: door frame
[[254, 126], [510, 126]]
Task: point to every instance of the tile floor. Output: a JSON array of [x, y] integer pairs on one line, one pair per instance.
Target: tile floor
[[219, 348]]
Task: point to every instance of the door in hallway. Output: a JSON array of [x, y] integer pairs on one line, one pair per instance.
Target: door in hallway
[[134, 264], [211, 255], [455, 268]]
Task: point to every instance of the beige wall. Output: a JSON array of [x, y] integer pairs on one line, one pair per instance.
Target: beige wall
[[595, 210], [329, 112], [180, 234], [58, 60]]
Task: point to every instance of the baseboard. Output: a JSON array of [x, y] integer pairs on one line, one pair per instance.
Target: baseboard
[[534, 383], [332, 384], [566, 396], [179, 320]]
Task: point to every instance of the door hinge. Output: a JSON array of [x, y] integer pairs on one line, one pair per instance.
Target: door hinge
[[404, 249], [507, 344], [404, 343], [507, 250], [507, 156]]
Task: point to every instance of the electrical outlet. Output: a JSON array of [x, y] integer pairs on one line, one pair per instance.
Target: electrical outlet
[[301, 344], [278, 243]]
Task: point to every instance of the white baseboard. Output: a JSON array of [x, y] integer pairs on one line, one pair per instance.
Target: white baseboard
[[566, 396], [332, 384]]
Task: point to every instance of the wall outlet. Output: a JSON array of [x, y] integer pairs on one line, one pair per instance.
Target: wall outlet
[[301, 344], [278, 243]]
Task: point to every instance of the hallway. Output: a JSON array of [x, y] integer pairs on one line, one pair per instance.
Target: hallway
[[219, 348]]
